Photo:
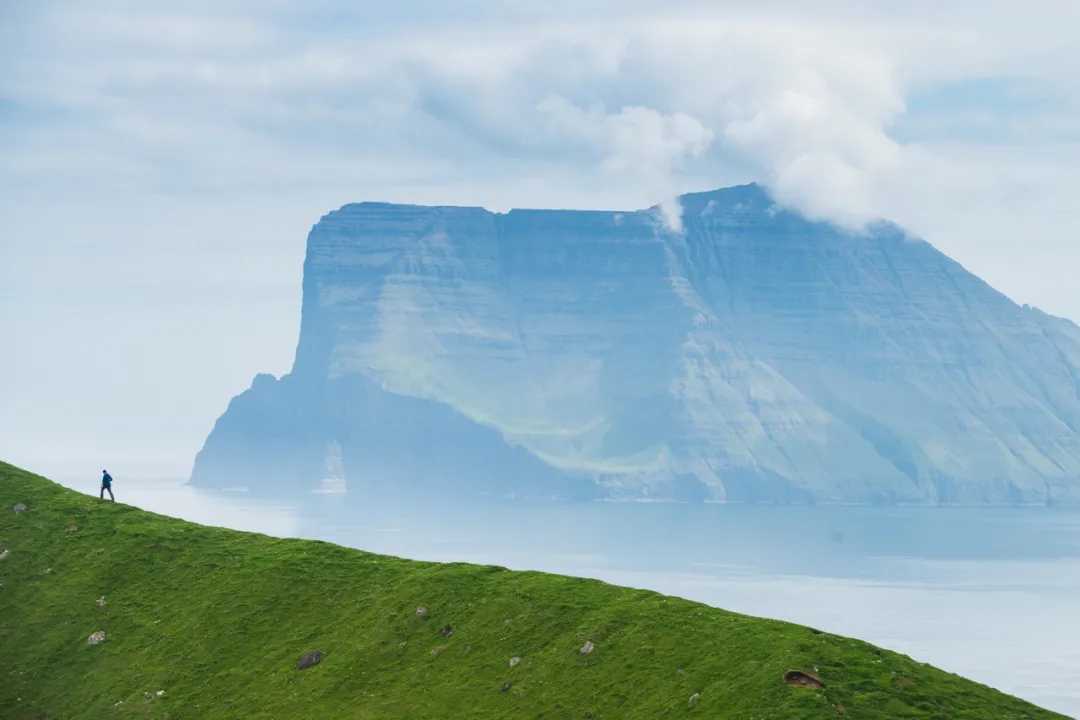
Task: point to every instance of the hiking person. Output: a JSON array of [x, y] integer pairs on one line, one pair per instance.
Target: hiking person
[[106, 485]]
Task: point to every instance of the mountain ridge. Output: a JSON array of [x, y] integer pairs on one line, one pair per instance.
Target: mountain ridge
[[108, 610]]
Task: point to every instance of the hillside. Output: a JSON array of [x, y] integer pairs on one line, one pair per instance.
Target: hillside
[[755, 356], [203, 622]]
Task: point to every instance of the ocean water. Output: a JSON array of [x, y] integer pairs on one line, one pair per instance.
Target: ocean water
[[990, 593]]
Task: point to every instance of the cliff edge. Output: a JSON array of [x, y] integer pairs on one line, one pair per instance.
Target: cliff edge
[[753, 356]]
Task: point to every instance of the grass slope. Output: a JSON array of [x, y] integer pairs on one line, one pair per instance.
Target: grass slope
[[218, 619]]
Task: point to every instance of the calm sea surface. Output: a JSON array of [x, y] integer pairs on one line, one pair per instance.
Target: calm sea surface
[[992, 594]]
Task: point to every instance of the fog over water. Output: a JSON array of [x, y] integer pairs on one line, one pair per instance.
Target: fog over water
[[991, 594]]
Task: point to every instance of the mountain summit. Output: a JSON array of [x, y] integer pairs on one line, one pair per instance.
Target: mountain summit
[[755, 355]]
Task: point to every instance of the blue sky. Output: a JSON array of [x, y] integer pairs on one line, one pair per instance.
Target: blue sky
[[160, 165]]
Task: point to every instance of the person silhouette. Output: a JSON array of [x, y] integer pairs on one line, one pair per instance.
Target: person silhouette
[[106, 485]]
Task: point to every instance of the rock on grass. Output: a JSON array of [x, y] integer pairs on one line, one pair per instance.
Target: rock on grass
[[309, 659], [800, 678]]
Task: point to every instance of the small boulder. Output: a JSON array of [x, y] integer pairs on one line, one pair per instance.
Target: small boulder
[[506, 686], [19, 507], [422, 612], [693, 700], [587, 648], [4, 553], [446, 631], [100, 602], [96, 638], [514, 661], [798, 678], [309, 659]]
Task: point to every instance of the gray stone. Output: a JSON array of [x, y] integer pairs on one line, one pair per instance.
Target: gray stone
[[309, 659], [506, 686], [801, 678], [19, 507], [422, 612], [100, 602], [446, 631], [514, 661], [4, 552], [96, 638], [587, 648], [693, 700]]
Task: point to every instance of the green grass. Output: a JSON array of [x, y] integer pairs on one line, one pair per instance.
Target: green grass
[[218, 619]]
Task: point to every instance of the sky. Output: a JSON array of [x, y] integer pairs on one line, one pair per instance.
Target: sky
[[162, 163]]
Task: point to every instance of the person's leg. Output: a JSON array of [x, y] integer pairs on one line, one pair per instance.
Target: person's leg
[[111, 495], [102, 493]]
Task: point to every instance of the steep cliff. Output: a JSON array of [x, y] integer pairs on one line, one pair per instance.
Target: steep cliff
[[753, 356]]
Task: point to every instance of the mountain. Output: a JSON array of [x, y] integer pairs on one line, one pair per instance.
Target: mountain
[[754, 355], [200, 622]]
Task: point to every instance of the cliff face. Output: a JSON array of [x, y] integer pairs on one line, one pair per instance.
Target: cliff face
[[754, 356]]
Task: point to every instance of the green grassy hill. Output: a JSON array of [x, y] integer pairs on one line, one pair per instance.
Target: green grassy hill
[[202, 622]]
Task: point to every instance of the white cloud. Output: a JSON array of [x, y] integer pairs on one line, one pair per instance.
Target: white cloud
[[637, 146], [656, 104], [522, 106]]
